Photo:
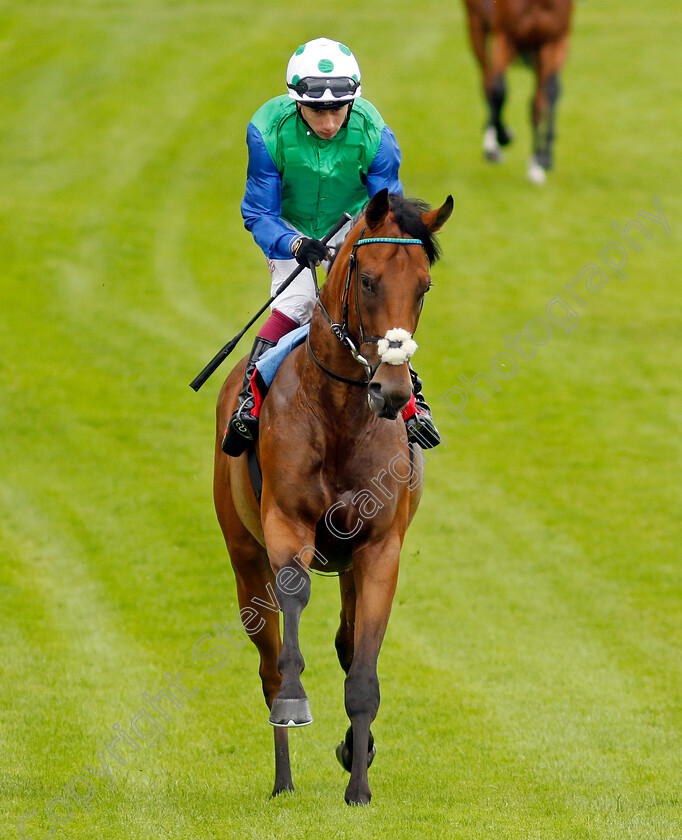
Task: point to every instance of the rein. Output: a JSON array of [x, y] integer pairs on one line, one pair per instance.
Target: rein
[[340, 331]]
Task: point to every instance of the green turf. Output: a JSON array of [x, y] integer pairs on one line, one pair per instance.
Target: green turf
[[531, 671]]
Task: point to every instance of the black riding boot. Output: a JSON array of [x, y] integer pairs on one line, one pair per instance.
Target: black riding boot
[[243, 426], [420, 427]]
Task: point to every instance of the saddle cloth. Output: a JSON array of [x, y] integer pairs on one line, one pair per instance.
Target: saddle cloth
[[269, 362]]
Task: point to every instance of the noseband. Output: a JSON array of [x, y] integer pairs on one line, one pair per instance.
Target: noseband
[[341, 330]]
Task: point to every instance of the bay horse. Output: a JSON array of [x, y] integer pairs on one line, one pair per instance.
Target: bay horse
[[538, 31], [333, 496]]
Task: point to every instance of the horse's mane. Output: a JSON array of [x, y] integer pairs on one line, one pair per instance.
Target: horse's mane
[[407, 212]]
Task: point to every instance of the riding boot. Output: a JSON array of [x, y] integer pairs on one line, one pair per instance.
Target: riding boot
[[243, 426], [420, 427]]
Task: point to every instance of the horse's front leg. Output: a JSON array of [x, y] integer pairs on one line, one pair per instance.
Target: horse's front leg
[[289, 547], [376, 574], [496, 134], [345, 641], [255, 581]]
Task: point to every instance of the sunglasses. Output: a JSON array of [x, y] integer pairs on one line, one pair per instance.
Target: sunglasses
[[315, 86]]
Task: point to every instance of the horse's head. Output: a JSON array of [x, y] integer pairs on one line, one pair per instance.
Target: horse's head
[[388, 281]]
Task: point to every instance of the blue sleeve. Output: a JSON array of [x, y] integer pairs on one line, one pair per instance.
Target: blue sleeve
[[262, 202], [383, 171]]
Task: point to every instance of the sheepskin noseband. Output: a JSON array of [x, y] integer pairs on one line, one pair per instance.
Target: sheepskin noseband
[[397, 347]]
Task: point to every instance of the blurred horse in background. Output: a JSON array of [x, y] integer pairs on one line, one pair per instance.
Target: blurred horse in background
[[538, 32]]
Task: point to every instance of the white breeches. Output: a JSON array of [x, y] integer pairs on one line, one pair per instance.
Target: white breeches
[[297, 301]]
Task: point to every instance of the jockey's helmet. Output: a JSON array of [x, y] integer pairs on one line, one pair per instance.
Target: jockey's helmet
[[323, 74]]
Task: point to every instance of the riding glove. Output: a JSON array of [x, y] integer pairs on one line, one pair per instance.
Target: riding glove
[[306, 250]]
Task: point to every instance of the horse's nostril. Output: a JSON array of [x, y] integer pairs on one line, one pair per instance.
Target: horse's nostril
[[375, 393], [375, 398], [398, 400]]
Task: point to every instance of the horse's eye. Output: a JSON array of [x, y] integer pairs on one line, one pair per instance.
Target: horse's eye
[[421, 293], [366, 282]]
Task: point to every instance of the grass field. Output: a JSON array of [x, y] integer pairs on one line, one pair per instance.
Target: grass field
[[531, 673]]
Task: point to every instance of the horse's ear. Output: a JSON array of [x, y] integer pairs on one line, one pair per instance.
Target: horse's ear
[[435, 219], [377, 209]]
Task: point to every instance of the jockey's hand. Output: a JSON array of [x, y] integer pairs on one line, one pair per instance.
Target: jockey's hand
[[306, 251]]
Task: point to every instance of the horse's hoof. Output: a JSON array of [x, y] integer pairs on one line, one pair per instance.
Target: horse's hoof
[[491, 148], [294, 712], [345, 756], [536, 173], [505, 136], [288, 788], [360, 797], [494, 157]]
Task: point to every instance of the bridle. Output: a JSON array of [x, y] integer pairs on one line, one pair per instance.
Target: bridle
[[341, 330]]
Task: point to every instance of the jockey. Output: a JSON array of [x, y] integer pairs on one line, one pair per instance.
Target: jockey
[[313, 155]]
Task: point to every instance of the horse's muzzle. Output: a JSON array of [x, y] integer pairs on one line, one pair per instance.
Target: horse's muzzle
[[387, 403]]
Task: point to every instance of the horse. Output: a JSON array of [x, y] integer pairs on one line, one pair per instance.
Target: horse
[[340, 485], [538, 31]]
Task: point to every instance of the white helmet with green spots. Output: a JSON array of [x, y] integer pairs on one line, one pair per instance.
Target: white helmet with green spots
[[323, 74]]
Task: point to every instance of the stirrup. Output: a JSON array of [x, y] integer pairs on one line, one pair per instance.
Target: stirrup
[[421, 429], [240, 432]]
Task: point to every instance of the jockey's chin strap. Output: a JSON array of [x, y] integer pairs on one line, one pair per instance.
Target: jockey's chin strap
[[341, 330]]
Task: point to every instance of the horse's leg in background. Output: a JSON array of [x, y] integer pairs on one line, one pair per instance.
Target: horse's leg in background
[[551, 57], [255, 580], [376, 574], [345, 634], [496, 134], [344, 649], [478, 32], [286, 548]]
